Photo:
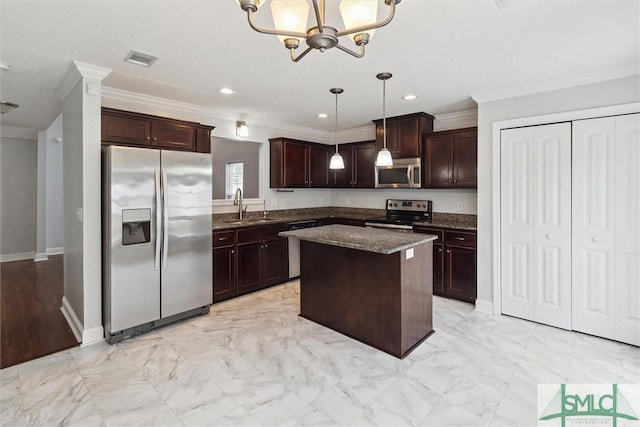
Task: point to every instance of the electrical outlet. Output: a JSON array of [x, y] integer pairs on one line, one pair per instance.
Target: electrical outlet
[[79, 214], [320, 201], [283, 203], [460, 207], [348, 201]]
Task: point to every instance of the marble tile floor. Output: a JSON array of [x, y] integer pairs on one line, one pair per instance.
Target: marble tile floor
[[252, 361]]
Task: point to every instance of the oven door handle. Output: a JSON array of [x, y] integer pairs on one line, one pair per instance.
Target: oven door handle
[[389, 226]]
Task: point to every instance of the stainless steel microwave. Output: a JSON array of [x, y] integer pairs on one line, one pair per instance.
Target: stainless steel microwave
[[405, 173]]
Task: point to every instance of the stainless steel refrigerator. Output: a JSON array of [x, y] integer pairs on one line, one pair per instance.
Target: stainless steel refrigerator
[[157, 251]]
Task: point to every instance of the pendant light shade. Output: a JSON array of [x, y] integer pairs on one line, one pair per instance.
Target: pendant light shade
[[384, 155], [384, 158], [337, 162]]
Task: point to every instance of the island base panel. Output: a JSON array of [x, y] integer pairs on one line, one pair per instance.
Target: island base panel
[[381, 300]]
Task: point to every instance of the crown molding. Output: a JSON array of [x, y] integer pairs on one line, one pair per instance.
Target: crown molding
[[135, 99], [629, 70], [78, 70], [460, 116]]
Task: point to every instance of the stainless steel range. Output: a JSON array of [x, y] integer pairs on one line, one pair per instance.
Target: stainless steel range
[[404, 214]]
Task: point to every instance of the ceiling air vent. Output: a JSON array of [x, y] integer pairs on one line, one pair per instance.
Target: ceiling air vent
[[140, 58], [6, 107]]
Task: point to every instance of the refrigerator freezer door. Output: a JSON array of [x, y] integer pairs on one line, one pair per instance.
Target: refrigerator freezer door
[[131, 283], [187, 267]]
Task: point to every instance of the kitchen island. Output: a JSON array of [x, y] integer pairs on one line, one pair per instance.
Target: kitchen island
[[372, 285]]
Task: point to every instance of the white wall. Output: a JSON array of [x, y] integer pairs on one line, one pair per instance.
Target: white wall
[[18, 184], [82, 301], [614, 92], [54, 189]]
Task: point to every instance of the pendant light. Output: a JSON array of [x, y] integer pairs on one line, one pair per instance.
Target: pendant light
[[384, 156], [337, 162]]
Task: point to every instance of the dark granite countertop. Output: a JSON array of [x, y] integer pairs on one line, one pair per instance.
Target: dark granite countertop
[[361, 238], [230, 220]]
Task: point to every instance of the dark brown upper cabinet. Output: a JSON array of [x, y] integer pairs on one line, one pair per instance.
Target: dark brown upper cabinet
[[451, 159], [404, 134], [143, 130], [359, 165], [298, 164]]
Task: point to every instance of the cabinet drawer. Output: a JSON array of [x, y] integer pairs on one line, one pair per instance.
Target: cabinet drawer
[[224, 238], [460, 238], [264, 232], [435, 231]]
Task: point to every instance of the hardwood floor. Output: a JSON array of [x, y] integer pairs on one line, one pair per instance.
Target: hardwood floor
[[32, 324]]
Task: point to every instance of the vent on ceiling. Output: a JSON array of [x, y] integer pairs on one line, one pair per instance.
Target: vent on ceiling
[[6, 107], [140, 58]]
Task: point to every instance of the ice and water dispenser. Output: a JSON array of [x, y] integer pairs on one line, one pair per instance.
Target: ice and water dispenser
[[136, 226]]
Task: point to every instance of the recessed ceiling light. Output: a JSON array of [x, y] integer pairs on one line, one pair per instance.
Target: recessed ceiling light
[[409, 97], [323, 115], [227, 91], [4, 67], [140, 58]]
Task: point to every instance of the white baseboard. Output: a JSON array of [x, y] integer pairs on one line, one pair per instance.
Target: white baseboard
[[20, 256], [72, 319], [84, 336], [92, 336], [484, 306], [41, 256], [55, 251]]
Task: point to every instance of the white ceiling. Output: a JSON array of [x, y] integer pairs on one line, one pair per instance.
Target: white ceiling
[[442, 51]]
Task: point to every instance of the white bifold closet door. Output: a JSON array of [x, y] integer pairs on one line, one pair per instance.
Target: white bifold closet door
[[536, 223], [605, 228]]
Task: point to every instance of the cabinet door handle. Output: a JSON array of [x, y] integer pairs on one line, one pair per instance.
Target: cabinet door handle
[[448, 251], [439, 250], [595, 239], [460, 238], [222, 238], [549, 236], [155, 139], [232, 251], [148, 138]]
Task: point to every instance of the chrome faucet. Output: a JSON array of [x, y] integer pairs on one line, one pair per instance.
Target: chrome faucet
[[238, 201]]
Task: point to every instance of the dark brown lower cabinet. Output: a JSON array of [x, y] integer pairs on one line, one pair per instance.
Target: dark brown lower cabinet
[[224, 280], [257, 258], [454, 263], [460, 273], [262, 264]]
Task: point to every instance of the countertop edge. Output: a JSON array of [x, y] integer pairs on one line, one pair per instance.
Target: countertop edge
[[350, 244]]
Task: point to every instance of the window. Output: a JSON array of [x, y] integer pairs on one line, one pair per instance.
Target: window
[[234, 178]]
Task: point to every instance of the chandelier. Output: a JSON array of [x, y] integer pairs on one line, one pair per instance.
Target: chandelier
[[290, 20]]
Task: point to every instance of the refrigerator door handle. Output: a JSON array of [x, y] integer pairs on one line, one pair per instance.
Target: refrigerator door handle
[[165, 220], [158, 198]]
